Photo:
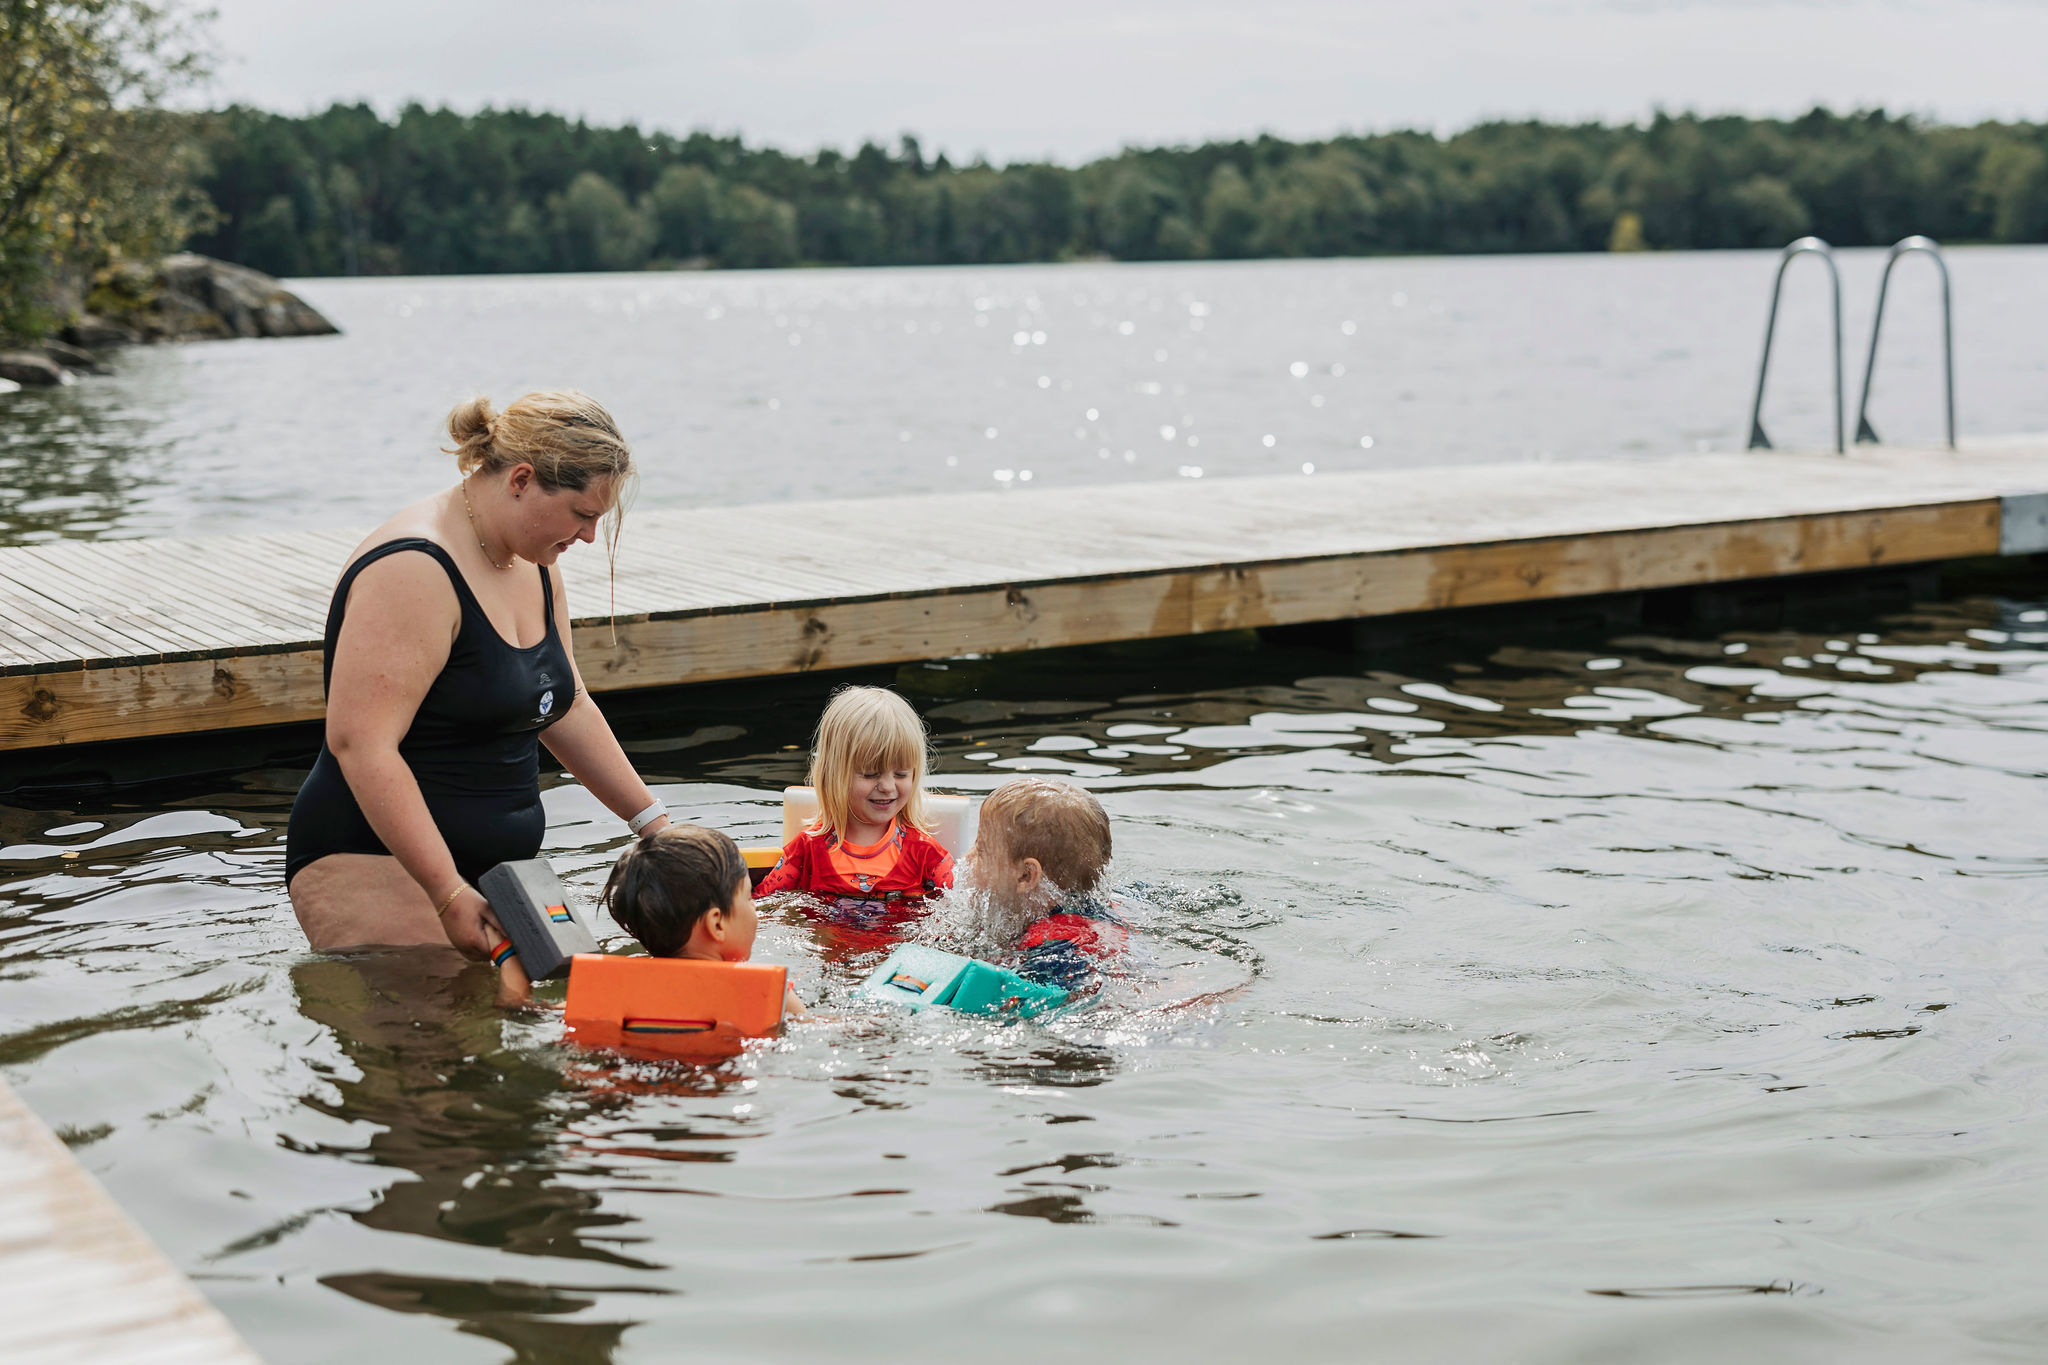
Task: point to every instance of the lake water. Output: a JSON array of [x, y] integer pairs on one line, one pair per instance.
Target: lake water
[[757, 387], [1669, 995]]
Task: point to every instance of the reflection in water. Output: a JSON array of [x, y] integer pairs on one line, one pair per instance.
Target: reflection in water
[[76, 464], [483, 1131], [508, 1311], [1485, 992], [1069, 1067], [1575, 356]]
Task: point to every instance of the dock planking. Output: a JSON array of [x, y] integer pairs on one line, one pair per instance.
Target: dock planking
[[129, 639], [81, 1282]]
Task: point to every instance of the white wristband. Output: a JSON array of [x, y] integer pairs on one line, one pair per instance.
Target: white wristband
[[648, 816]]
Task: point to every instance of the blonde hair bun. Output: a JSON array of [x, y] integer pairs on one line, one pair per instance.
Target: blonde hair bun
[[567, 436], [469, 426]]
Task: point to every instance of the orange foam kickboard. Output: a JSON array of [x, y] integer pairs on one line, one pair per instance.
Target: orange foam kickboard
[[671, 1004]]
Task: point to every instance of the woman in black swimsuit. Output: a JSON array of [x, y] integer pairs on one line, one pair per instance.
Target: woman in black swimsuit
[[447, 665]]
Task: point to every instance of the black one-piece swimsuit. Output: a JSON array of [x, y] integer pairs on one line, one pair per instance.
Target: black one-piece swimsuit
[[473, 746]]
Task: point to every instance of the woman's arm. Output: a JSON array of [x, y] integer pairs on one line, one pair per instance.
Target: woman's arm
[[399, 623], [585, 744]]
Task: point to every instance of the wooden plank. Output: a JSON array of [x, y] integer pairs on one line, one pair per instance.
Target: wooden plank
[[198, 600], [990, 572], [185, 571], [94, 594], [39, 645], [704, 647], [78, 1280], [134, 701], [144, 602], [105, 617], [219, 589], [280, 688], [71, 637], [202, 576], [1141, 606]]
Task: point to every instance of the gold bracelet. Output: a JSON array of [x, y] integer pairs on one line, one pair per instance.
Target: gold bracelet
[[442, 909]]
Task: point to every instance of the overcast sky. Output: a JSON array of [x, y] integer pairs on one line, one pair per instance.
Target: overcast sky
[[1071, 79]]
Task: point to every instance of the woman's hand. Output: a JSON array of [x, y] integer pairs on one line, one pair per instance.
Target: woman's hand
[[470, 925]]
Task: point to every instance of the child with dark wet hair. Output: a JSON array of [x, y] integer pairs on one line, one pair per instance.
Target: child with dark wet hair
[[1039, 857], [682, 892]]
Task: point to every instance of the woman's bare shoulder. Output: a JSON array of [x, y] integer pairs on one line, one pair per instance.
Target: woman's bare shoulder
[[420, 518], [403, 575]]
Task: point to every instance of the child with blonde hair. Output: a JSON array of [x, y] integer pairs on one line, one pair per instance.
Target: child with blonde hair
[[870, 852]]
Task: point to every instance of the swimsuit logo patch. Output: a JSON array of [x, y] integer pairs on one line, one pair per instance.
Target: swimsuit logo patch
[[547, 702]]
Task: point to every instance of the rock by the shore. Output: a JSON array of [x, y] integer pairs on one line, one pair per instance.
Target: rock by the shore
[[73, 357], [189, 297], [90, 329], [32, 369]]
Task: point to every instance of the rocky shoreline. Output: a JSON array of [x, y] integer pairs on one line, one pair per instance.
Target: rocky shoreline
[[186, 297]]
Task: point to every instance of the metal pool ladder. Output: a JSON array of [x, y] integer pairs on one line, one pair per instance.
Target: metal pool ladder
[[1865, 433], [1757, 439]]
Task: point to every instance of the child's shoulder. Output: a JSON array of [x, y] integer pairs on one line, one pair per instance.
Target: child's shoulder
[[1087, 922], [809, 836], [914, 837]]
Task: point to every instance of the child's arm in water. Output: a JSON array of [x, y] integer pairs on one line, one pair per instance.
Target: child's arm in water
[[791, 872], [792, 1008], [514, 987]]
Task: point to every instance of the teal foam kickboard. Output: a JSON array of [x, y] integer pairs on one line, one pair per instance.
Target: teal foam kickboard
[[916, 977], [984, 989]]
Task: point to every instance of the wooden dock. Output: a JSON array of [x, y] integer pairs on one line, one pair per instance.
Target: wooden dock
[[78, 1281], [115, 640]]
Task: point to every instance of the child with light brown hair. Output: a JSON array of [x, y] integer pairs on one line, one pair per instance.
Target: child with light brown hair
[[1040, 856]]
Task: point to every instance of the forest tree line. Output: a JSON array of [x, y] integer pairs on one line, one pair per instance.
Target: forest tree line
[[101, 173], [431, 191]]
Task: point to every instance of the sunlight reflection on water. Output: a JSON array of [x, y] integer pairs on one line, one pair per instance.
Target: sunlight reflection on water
[[1483, 996], [1265, 367]]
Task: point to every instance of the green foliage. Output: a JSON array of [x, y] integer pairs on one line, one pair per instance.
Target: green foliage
[[684, 209], [91, 169], [345, 191], [2013, 188], [756, 230], [1230, 213], [599, 229]]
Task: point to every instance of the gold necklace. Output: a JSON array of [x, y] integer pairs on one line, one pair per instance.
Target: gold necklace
[[470, 512]]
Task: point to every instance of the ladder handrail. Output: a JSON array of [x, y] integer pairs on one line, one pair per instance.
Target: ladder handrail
[[1865, 433], [1757, 439]]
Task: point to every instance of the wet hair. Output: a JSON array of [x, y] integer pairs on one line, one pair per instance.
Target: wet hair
[[669, 880], [1058, 823], [865, 730]]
